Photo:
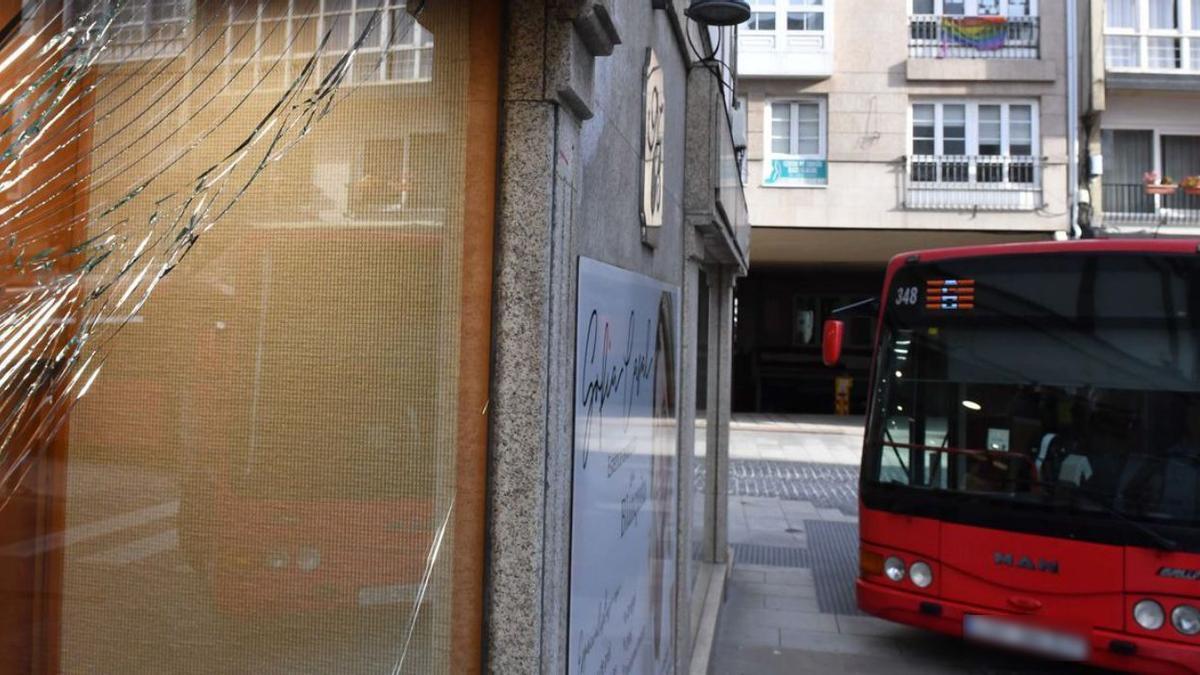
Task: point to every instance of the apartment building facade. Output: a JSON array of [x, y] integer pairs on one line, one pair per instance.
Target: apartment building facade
[[1140, 122], [874, 128]]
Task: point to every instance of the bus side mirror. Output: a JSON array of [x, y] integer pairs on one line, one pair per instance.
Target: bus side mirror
[[831, 341]]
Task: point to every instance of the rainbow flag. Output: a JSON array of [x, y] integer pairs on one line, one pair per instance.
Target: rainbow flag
[[981, 32]]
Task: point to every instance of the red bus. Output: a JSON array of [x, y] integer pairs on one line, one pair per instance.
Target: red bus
[[1031, 466]]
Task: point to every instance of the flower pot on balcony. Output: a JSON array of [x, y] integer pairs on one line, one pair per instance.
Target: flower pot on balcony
[[1161, 189], [1193, 191]]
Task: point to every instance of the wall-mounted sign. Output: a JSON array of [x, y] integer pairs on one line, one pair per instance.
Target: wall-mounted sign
[[624, 496], [785, 172], [653, 135]]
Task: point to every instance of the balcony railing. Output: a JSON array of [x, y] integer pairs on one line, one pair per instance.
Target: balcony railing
[[933, 36], [985, 182], [1128, 203], [1171, 53]]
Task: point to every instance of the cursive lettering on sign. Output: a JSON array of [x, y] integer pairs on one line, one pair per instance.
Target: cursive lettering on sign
[[603, 612], [601, 381], [633, 501]]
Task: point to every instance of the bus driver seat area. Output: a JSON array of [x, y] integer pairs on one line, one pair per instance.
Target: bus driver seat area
[[1058, 462], [1166, 483]]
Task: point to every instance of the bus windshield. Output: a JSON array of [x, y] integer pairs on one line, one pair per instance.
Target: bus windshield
[[1069, 382]]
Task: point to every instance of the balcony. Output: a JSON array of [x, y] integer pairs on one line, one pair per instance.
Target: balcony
[[1127, 204], [933, 36], [785, 54], [977, 183], [1158, 60]]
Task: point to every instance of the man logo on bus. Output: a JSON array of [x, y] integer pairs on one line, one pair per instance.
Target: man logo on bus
[[1025, 562]]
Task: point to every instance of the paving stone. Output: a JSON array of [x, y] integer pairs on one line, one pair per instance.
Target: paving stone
[[785, 619], [748, 635], [768, 524], [794, 604], [782, 590], [766, 661], [741, 574], [816, 641], [791, 577], [869, 625], [826, 485]]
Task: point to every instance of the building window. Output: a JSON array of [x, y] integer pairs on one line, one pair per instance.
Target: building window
[[1128, 155], [787, 38], [795, 132], [278, 38], [787, 15], [1010, 8], [974, 149], [1005, 29], [1152, 35], [140, 29]]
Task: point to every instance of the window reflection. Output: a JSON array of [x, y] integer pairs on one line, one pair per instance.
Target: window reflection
[[256, 480]]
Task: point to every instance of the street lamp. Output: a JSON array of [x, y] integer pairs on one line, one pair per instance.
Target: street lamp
[[719, 12]]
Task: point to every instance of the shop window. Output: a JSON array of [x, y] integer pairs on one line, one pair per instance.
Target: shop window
[[234, 431]]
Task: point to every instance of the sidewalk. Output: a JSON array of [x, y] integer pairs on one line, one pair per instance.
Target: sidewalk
[[793, 527]]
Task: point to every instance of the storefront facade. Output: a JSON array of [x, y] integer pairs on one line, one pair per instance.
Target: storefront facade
[[289, 354]]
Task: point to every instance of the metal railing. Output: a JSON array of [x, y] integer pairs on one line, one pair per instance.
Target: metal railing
[[984, 182], [934, 36], [1128, 203]]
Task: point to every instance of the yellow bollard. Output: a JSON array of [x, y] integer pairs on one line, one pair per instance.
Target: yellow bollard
[[842, 384]]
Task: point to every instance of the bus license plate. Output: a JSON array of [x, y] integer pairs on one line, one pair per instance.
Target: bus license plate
[[1042, 641]]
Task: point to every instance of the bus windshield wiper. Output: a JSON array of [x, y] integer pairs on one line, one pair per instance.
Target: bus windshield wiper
[[1079, 493]]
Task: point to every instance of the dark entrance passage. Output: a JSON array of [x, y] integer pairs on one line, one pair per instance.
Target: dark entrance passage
[[777, 338]]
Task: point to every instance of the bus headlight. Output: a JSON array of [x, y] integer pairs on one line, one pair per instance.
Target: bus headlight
[[893, 567], [1186, 619], [921, 574], [1148, 614]]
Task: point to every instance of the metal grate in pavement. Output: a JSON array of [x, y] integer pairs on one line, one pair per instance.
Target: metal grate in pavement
[[828, 486], [770, 556], [833, 550]]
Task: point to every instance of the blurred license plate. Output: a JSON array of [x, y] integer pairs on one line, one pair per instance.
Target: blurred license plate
[[1042, 641]]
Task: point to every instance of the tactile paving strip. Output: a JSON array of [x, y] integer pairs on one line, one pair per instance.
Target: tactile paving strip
[[828, 486], [833, 551], [771, 556]]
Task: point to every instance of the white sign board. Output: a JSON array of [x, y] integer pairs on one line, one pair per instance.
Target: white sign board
[[623, 512], [654, 119]]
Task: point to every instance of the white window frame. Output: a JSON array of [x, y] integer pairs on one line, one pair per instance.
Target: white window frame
[[972, 124], [793, 132], [1185, 33], [781, 8], [769, 153], [419, 41], [971, 8], [149, 42]]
